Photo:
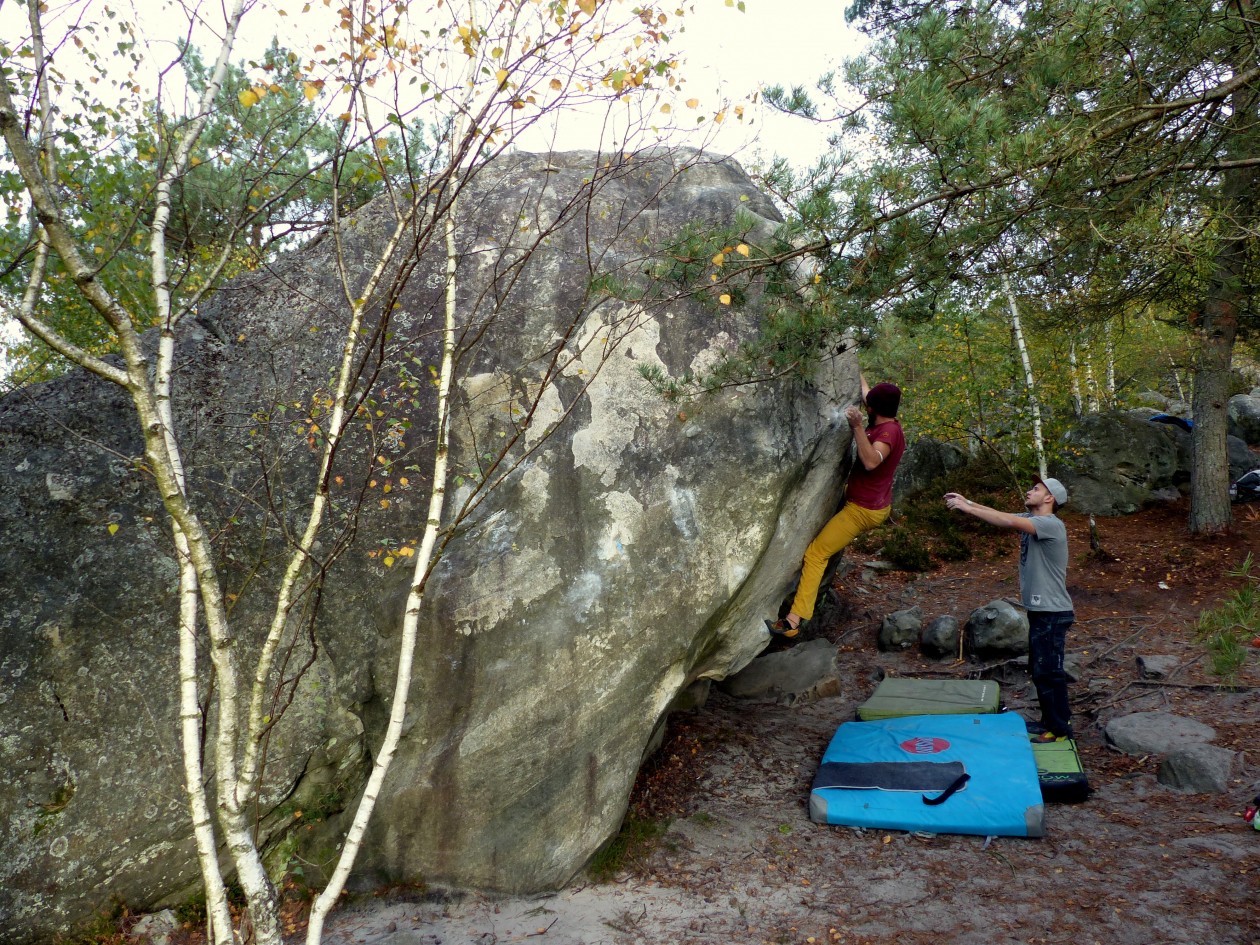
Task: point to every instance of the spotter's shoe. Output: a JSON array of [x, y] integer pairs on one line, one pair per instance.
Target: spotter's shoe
[[1044, 738]]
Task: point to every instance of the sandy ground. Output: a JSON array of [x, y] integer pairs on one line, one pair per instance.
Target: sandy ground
[[741, 862]]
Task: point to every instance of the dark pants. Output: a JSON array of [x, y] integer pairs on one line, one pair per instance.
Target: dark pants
[[1047, 637]]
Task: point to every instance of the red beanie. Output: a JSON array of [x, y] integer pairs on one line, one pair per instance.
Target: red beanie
[[884, 399]]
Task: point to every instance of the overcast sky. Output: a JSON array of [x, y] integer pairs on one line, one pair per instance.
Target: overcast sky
[[729, 55]]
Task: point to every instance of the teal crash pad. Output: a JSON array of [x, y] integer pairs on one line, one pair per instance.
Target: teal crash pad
[[1000, 797]]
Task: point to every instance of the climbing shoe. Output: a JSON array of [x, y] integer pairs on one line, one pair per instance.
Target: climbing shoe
[[1046, 737], [781, 628]]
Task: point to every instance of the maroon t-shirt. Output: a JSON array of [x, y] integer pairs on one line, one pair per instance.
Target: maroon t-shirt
[[872, 488]]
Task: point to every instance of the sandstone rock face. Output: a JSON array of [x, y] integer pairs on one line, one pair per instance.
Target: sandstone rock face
[[1119, 462], [926, 459], [1244, 418], [629, 555]]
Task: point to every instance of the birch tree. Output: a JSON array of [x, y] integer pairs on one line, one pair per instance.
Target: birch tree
[[1030, 384], [480, 75]]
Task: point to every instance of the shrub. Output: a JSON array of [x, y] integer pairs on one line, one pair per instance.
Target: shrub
[[1224, 630], [904, 548], [636, 839]]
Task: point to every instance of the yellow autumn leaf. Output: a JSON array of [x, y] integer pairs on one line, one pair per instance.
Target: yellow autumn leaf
[[587, 7], [724, 299], [384, 503], [248, 98], [817, 279], [406, 552], [719, 259], [113, 528], [389, 562], [556, 85], [742, 249], [666, 109], [310, 91], [693, 102], [501, 77]]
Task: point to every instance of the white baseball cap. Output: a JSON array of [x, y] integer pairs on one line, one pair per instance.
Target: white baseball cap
[[1055, 488]]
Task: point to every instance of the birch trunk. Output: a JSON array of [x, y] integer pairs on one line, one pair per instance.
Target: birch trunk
[[194, 577], [1109, 349], [1034, 406], [411, 618], [1091, 385], [1176, 376], [1078, 403], [149, 392]]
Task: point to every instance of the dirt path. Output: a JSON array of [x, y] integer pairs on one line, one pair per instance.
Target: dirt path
[[741, 862]]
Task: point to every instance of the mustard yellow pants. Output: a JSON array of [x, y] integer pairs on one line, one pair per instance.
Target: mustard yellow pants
[[844, 526]]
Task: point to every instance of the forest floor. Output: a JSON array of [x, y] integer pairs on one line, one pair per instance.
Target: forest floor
[[736, 859]]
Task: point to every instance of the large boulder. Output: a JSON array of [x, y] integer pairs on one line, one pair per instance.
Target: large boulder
[[633, 553], [926, 460], [1116, 463], [1244, 419]]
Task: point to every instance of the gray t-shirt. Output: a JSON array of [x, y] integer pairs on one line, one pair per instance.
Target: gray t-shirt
[[1043, 559]]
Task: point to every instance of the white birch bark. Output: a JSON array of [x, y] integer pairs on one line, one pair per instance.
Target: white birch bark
[[1109, 350], [1078, 403], [411, 621], [233, 793], [1091, 384], [1034, 405], [1176, 376], [218, 917], [424, 555]]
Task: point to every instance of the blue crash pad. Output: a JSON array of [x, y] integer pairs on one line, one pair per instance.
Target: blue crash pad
[[1002, 796]]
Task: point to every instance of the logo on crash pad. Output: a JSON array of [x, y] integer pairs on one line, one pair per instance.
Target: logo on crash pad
[[924, 745]]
